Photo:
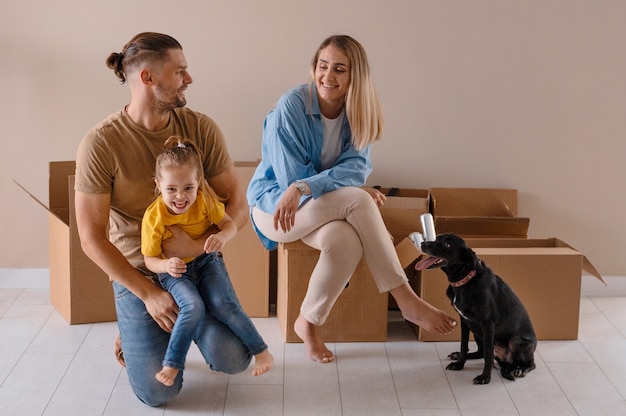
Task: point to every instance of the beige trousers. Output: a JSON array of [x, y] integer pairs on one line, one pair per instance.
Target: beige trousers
[[344, 225]]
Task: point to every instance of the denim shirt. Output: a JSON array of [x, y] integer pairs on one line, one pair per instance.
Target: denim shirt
[[293, 133]]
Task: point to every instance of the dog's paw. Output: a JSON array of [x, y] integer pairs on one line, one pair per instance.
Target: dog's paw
[[508, 375], [454, 356], [455, 366], [520, 372], [482, 379]]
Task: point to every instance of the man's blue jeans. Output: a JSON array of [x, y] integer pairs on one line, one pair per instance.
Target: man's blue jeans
[[144, 344]]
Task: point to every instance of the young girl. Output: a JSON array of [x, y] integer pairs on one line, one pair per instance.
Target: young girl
[[187, 201]]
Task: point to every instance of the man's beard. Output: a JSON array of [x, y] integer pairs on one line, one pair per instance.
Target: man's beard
[[163, 105]]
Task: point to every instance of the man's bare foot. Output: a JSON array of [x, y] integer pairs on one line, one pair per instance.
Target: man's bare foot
[[313, 343], [167, 375], [119, 354], [422, 313], [263, 362]]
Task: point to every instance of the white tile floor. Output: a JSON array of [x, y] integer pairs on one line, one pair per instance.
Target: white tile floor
[[50, 368]]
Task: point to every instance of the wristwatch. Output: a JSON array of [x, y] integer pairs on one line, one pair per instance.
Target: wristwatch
[[301, 186]]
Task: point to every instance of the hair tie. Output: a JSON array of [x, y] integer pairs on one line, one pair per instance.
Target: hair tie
[[182, 145]]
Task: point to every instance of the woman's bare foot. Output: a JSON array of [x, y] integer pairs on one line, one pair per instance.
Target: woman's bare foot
[[167, 375], [422, 313], [263, 362], [312, 341]]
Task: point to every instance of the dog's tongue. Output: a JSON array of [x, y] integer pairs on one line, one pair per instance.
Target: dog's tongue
[[426, 263]]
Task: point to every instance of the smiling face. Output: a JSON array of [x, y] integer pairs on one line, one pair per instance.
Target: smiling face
[[332, 79], [179, 188], [171, 81]]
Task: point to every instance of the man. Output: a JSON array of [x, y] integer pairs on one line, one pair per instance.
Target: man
[[114, 185]]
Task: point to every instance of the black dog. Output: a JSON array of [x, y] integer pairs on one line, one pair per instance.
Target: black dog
[[488, 308]]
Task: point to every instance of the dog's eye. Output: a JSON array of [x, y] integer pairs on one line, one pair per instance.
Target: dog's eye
[[447, 245]]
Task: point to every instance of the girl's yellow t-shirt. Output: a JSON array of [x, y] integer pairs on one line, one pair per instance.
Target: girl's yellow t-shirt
[[198, 218]]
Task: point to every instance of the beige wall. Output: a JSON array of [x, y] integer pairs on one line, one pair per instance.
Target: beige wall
[[519, 94]]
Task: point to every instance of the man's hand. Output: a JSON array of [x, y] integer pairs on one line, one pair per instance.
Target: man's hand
[[181, 245], [163, 309]]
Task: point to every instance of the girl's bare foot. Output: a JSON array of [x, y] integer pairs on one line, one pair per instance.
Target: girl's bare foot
[[167, 375], [313, 343], [263, 362], [422, 313]]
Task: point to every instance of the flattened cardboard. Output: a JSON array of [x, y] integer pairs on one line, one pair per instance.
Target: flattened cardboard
[[544, 273], [474, 202], [477, 212], [359, 315], [79, 289], [247, 261]]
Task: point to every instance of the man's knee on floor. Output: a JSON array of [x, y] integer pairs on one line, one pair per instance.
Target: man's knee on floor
[[156, 394]]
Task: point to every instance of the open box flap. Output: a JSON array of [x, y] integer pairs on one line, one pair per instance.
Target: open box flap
[[36, 199], [58, 189], [407, 252], [587, 266]]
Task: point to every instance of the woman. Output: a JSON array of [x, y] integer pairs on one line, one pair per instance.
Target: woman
[[315, 157]]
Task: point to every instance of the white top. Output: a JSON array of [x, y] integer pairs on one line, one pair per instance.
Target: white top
[[331, 145]]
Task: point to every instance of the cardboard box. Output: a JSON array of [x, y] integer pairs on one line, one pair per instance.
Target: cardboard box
[[79, 289], [248, 262], [475, 212], [401, 212], [82, 292], [544, 273], [360, 313]]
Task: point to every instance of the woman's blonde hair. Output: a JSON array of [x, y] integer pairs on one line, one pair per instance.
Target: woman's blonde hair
[[362, 106], [178, 152]]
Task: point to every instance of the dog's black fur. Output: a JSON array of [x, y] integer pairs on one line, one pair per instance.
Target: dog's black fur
[[488, 308]]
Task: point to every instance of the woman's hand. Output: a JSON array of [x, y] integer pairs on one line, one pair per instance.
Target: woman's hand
[[285, 214], [378, 197]]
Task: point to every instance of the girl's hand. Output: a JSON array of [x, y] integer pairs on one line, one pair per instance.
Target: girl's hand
[[176, 267], [285, 214], [215, 242]]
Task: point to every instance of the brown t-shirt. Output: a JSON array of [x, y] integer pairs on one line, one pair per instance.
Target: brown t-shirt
[[118, 157]]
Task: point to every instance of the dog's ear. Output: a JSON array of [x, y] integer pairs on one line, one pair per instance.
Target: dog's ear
[[479, 265], [467, 255]]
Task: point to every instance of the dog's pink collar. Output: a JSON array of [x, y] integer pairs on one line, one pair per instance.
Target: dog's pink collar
[[464, 280]]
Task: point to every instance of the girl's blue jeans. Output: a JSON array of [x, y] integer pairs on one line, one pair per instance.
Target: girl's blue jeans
[[205, 288], [144, 343]]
